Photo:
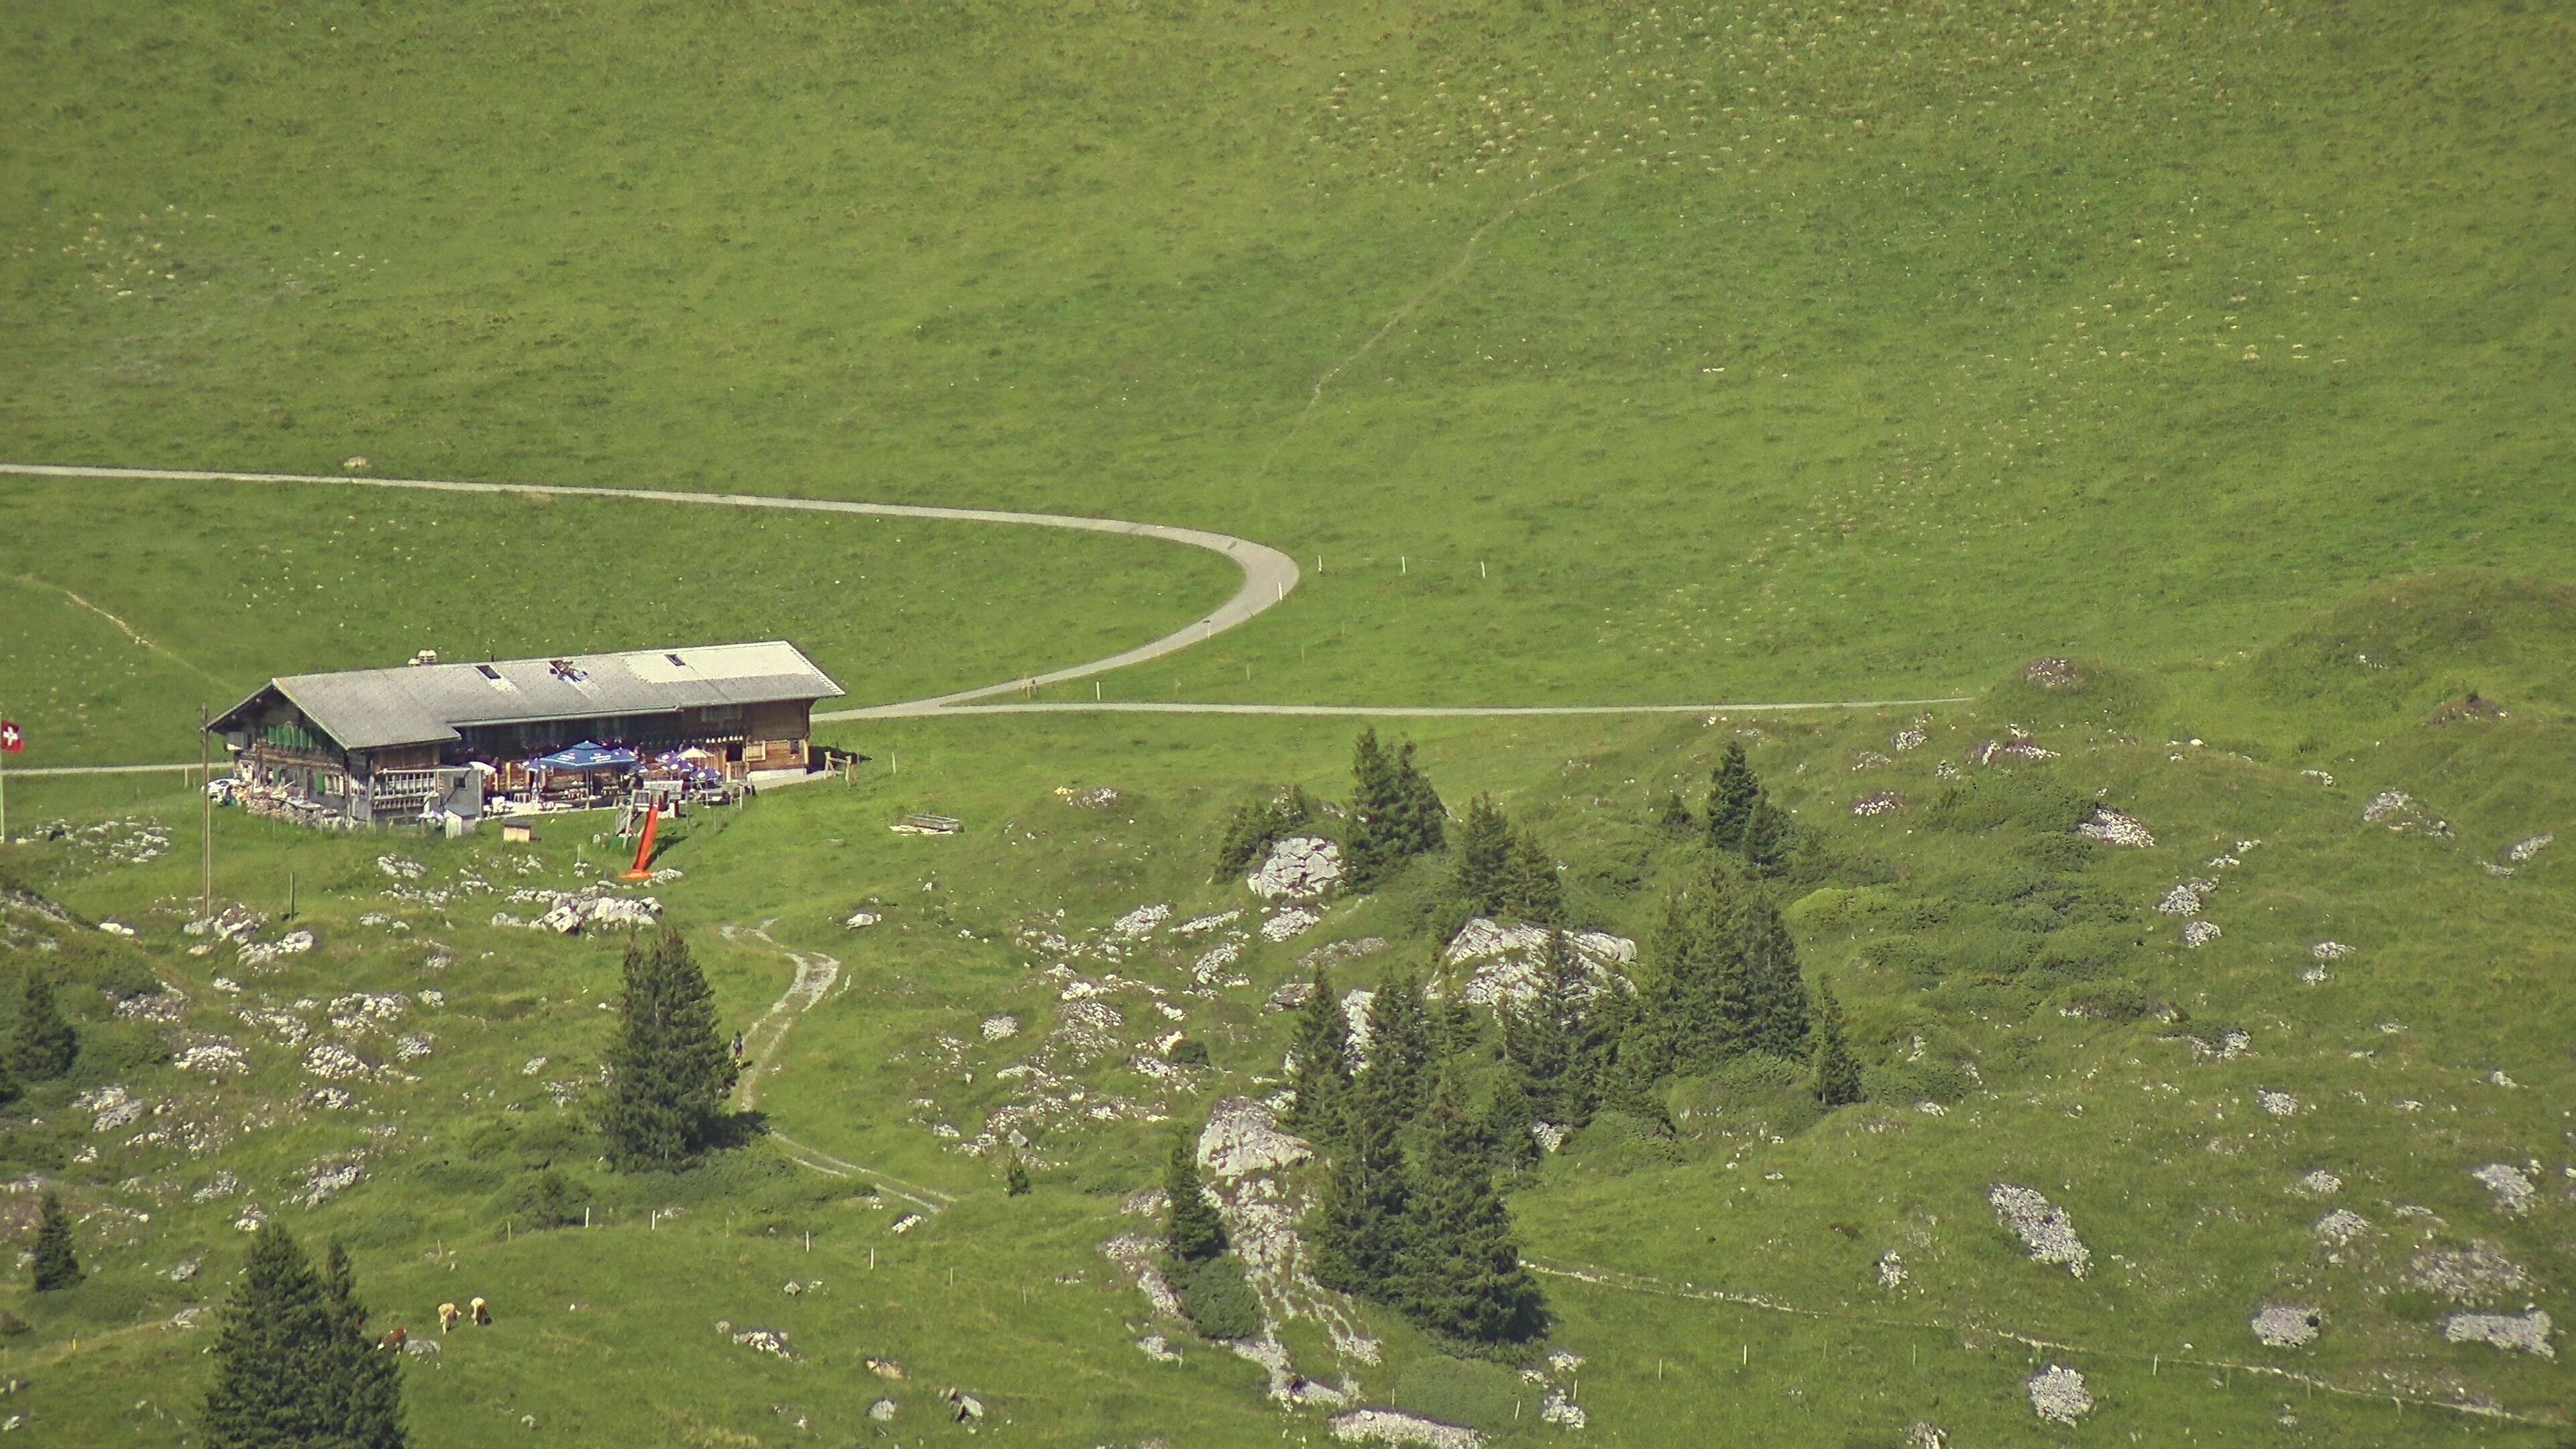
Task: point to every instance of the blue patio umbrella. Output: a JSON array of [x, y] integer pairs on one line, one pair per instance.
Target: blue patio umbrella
[[588, 755]]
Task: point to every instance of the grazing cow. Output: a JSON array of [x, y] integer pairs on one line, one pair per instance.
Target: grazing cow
[[482, 1314], [447, 1316], [393, 1342]]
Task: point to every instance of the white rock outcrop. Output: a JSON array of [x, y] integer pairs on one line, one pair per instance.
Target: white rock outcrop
[[1300, 868]]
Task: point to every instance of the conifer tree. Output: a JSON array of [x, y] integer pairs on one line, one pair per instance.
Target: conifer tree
[[1015, 1175], [1484, 857], [669, 1070], [1692, 1016], [45, 1043], [1192, 1231], [1509, 1116], [366, 1385], [1731, 794], [56, 1267], [1837, 1071], [1774, 1011], [1360, 1226], [1371, 843], [1539, 1041], [1463, 1275], [1677, 815], [1320, 1077], [1535, 894], [1399, 1050], [1768, 838], [276, 1380], [1423, 821], [9, 1088]]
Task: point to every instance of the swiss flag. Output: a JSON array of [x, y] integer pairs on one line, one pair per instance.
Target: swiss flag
[[12, 741]]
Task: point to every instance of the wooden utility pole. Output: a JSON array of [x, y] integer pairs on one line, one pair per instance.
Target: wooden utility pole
[[205, 820]]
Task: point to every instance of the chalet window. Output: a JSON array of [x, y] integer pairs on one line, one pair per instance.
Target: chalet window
[[488, 672]]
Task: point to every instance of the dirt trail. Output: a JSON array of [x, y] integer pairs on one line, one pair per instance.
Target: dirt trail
[[815, 975]]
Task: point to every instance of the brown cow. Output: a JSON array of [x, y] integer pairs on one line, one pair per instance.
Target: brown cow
[[394, 1341], [447, 1316]]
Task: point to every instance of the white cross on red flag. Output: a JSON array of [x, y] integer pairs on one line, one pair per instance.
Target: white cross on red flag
[[12, 741]]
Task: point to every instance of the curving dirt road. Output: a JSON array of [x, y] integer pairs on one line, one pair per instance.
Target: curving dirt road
[[1268, 574]]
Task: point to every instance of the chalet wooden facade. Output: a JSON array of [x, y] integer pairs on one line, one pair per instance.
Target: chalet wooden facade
[[460, 739]]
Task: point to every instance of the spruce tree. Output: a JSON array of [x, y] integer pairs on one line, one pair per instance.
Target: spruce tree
[[1677, 815], [1535, 894], [1192, 1231], [1731, 794], [669, 1070], [1320, 1076], [1422, 820], [1371, 842], [1509, 1116], [1768, 838], [1015, 1175], [9, 1088], [1484, 857], [1399, 1052], [1693, 1013], [1360, 1227], [276, 1370], [1774, 1011], [1538, 1040], [45, 1043], [366, 1385], [1463, 1275], [55, 1266], [1837, 1071]]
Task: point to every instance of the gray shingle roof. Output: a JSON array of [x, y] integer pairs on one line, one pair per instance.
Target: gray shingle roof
[[368, 709]]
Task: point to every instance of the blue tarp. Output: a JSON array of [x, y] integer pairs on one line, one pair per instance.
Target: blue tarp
[[588, 755]]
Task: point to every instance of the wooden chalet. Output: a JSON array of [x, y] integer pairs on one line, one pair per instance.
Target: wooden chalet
[[463, 740]]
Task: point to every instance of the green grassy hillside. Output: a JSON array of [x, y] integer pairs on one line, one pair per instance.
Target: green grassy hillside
[[1583, 354]]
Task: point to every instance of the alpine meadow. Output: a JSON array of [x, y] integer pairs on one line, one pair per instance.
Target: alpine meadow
[[1151, 725]]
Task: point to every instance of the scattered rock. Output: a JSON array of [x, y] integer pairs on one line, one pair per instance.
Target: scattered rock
[[1386, 1426], [2320, 1183], [886, 1368], [2521, 851], [883, 1410], [2196, 934], [2477, 1273], [1884, 802], [1242, 1138], [2402, 813], [401, 869], [2044, 1229], [861, 920], [769, 1341], [1506, 961], [2514, 1192], [1891, 1270], [2185, 899], [2528, 1332], [1300, 868], [2341, 1227], [2281, 1325], [1290, 921], [1291, 996], [1001, 1028], [2015, 747], [1098, 797], [2051, 674], [2112, 827], [2280, 1105], [1157, 1348], [1920, 1435], [1141, 921], [2057, 1394], [2330, 950]]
